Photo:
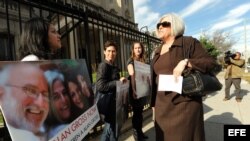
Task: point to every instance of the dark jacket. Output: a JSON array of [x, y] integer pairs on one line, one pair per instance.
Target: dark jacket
[[107, 75]]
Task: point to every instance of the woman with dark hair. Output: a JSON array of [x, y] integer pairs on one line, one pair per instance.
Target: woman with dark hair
[[107, 75], [81, 100], [137, 54], [39, 40], [86, 89]]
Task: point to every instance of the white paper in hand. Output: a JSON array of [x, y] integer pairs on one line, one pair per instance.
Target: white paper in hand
[[168, 83]]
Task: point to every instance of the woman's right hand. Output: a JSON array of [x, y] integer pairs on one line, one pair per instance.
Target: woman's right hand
[[123, 79], [179, 68]]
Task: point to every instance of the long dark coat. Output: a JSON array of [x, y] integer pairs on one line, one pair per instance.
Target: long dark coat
[[179, 117]]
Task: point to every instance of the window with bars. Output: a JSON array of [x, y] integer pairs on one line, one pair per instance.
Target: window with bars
[[6, 47]]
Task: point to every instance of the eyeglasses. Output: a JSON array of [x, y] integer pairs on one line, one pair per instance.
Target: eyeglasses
[[163, 24], [31, 91]]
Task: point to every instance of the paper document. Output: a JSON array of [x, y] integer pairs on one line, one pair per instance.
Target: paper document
[[168, 83]]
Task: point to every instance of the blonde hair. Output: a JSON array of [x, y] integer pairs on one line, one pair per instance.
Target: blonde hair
[[177, 24]]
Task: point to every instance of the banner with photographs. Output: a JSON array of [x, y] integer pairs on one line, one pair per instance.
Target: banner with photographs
[[47, 100], [122, 90], [142, 79]]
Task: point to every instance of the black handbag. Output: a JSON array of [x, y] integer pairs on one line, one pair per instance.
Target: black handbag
[[103, 102], [196, 83]]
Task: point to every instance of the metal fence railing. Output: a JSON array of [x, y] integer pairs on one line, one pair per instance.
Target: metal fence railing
[[83, 26]]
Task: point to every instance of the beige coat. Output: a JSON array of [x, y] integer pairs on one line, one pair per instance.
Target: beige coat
[[234, 70]]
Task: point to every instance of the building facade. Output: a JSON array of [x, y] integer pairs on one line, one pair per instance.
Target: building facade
[[84, 26], [123, 8]]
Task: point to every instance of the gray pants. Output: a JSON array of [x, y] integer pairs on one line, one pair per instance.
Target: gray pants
[[236, 83]]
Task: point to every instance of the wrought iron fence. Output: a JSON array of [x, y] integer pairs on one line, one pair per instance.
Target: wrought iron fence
[[83, 26]]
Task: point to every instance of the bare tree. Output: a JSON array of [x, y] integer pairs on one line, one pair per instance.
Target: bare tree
[[222, 40]]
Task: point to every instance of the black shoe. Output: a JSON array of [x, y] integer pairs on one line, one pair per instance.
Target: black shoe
[[139, 136], [135, 135]]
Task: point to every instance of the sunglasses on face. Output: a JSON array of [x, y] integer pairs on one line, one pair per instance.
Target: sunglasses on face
[[163, 24]]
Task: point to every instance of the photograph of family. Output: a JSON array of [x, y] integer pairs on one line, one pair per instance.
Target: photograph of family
[[43, 100]]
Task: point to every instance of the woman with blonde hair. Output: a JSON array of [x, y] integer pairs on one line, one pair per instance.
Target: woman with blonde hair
[[178, 117]]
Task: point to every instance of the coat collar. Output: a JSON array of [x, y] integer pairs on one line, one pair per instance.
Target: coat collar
[[112, 64], [177, 43]]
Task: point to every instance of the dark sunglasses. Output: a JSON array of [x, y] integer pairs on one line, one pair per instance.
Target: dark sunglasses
[[163, 24]]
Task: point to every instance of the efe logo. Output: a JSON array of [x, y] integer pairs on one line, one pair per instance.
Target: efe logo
[[237, 132]]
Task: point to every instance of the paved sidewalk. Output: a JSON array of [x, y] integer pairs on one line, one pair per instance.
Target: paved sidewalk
[[216, 113]]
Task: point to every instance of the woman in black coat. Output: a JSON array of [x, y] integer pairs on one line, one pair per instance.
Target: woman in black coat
[[107, 75]]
